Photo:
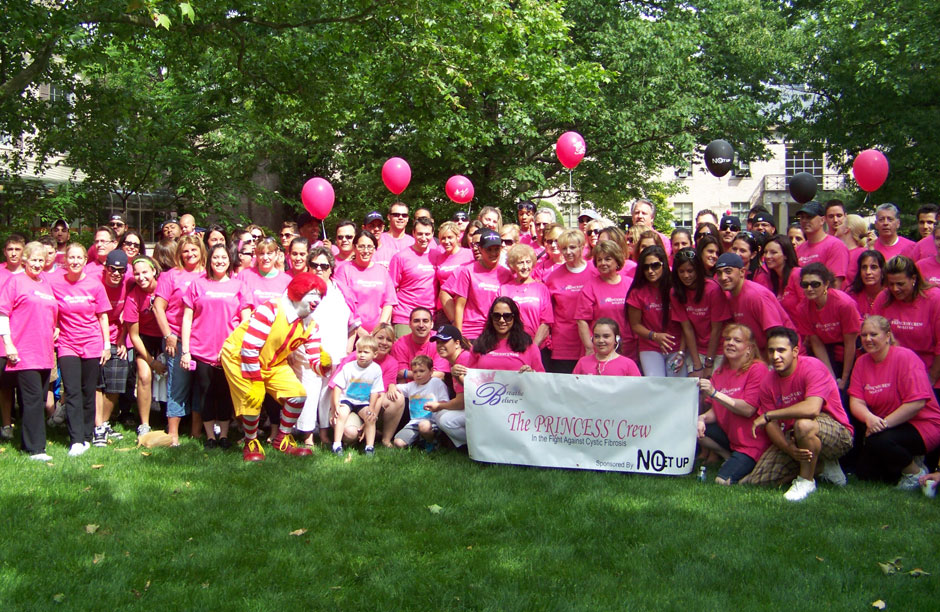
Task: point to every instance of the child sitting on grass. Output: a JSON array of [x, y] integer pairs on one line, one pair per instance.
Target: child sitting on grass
[[356, 390], [422, 390]]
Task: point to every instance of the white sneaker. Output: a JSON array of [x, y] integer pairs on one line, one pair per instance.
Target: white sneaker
[[909, 482], [832, 472], [800, 489], [78, 448], [40, 457]]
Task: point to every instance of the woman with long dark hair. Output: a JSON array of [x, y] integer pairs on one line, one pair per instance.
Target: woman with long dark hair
[[700, 307], [869, 282], [503, 344], [708, 248], [648, 311], [783, 272], [750, 247]]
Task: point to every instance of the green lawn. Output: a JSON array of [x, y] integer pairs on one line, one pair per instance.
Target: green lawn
[[181, 529]]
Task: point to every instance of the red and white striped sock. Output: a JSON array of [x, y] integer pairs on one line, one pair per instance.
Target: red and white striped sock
[[250, 425], [290, 412]]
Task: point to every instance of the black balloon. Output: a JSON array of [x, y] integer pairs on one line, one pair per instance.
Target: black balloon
[[719, 156], [803, 187]]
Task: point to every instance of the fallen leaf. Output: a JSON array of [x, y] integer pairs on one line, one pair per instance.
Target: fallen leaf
[[878, 604], [136, 593], [188, 484], [189, 539], [818, 558], [98, 558], [335, 587], [469, 548], [885, 526], [3, 449], [145, 453], [122, 450], [91, 528], [298, 532], [147, 585], [86, 489], [205, 585], [97, 466], [917, 572], [435, 509], [887, 568], [348, 459], [58, 597]]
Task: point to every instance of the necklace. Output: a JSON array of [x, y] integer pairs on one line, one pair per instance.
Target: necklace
[[602, 365]]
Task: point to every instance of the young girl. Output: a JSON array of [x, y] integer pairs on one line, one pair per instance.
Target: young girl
[[605, 361]]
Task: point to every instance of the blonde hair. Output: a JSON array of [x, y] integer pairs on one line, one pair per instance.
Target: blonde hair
[[571, 236], [859, 229], [448, 226], [754, 351], [368, 342], [186, 241]]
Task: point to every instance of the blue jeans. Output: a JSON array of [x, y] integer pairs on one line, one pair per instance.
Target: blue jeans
[[735, 467], [179, 387]]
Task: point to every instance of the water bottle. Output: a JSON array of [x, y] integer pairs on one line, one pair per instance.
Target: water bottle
[[701, 474]]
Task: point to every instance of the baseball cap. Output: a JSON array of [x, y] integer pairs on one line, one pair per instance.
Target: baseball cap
[[116, 258], [445, 333], [460, 216], [728, 221], [61, 222], [590, 214], [117, 218], [729, 260], [374, 216], [489, 238], [765, 217], [813, 209], [169, 221]]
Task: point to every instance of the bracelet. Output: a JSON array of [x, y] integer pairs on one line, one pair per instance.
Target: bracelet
[[714, 393], [767, 416], [698, 369], [709, 362], [651, 334]]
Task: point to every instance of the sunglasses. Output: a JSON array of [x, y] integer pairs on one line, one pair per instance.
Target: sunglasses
[[345, 237], [685, 255], [398, 215], [656, 265], [287, 235], [700, 235], [508, 242], [245, 253], [733, 228], [256, 236], [503, 316], [525, 207], [116, 270], [460, 217], [323, 267], [593, 232], [133, 245], [811, 284], [116, 224]]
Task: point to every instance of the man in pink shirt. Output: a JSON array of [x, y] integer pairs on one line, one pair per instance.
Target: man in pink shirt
[[476, 286], [375, 224], [642, 213], [820, 246], [926, 221], [60, 231], [802, 413], [835, 216], [105, 242], [13, 253], [397, 223], [751, 303], [413, 275], [889, 243], [418, 342], [728, 228]]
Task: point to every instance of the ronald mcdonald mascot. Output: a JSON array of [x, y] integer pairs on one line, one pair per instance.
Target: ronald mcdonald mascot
[[255, 360]]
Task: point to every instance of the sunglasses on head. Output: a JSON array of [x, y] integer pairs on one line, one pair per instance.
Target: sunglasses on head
[[526, 206], [685, 254], [811, 284], [503, 316]]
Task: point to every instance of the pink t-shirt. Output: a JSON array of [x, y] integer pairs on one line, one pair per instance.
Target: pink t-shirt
[[401, 243], [744, 386], [830, 251], [810, 378], [4, 277], [171, 286], [712, 308], [502, 357], [371, 290], [139, 309], [864, 304], [618, 366], [544, 267], [903, 246], [412, 275], [898, 379], [565, 287], [757, 308], [831, 322], [32, 309], [480, 287], [853, 265], [916, 324], [464, 358], [648, 301], [792, 293], [924, 248], [117, 296], [93, 268], [601, 299], [405, 349], [257, 289], [80, 303], [534, 302], [384, 253], [445, 266], [930, 270], [215, 315]]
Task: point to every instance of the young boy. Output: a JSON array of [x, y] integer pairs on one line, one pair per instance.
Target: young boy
[[356, 390], [423, 389]]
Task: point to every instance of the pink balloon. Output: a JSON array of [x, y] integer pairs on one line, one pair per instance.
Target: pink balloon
[[570, 149], [317, 196], [870, 169], [459, 189], [396, 174]]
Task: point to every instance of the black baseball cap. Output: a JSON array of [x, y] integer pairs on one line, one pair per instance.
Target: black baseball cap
[[116, 258], [445, 333], [728, 221], [374, 216], [460, 216], [813, 209], [489, 238], [765, 217], [729, 260]]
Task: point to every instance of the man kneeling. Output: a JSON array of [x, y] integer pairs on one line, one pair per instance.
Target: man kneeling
[[804, 418]]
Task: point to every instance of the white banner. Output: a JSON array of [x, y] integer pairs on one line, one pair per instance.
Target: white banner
[[614, 423]]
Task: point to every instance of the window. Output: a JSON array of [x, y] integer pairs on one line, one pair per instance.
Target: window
[[683, 214], [685, 170], [803, 161], [740, 210]]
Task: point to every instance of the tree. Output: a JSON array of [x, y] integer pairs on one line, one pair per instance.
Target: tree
[[870, 77]]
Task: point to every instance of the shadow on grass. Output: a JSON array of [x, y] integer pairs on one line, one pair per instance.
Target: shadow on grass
[[185, 529]]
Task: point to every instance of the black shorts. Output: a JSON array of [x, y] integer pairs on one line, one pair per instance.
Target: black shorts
[[112, 377]]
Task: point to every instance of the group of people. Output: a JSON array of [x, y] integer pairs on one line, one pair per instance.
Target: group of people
[[817, 349]]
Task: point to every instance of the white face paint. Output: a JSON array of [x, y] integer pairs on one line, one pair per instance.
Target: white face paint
[[307, 304]]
